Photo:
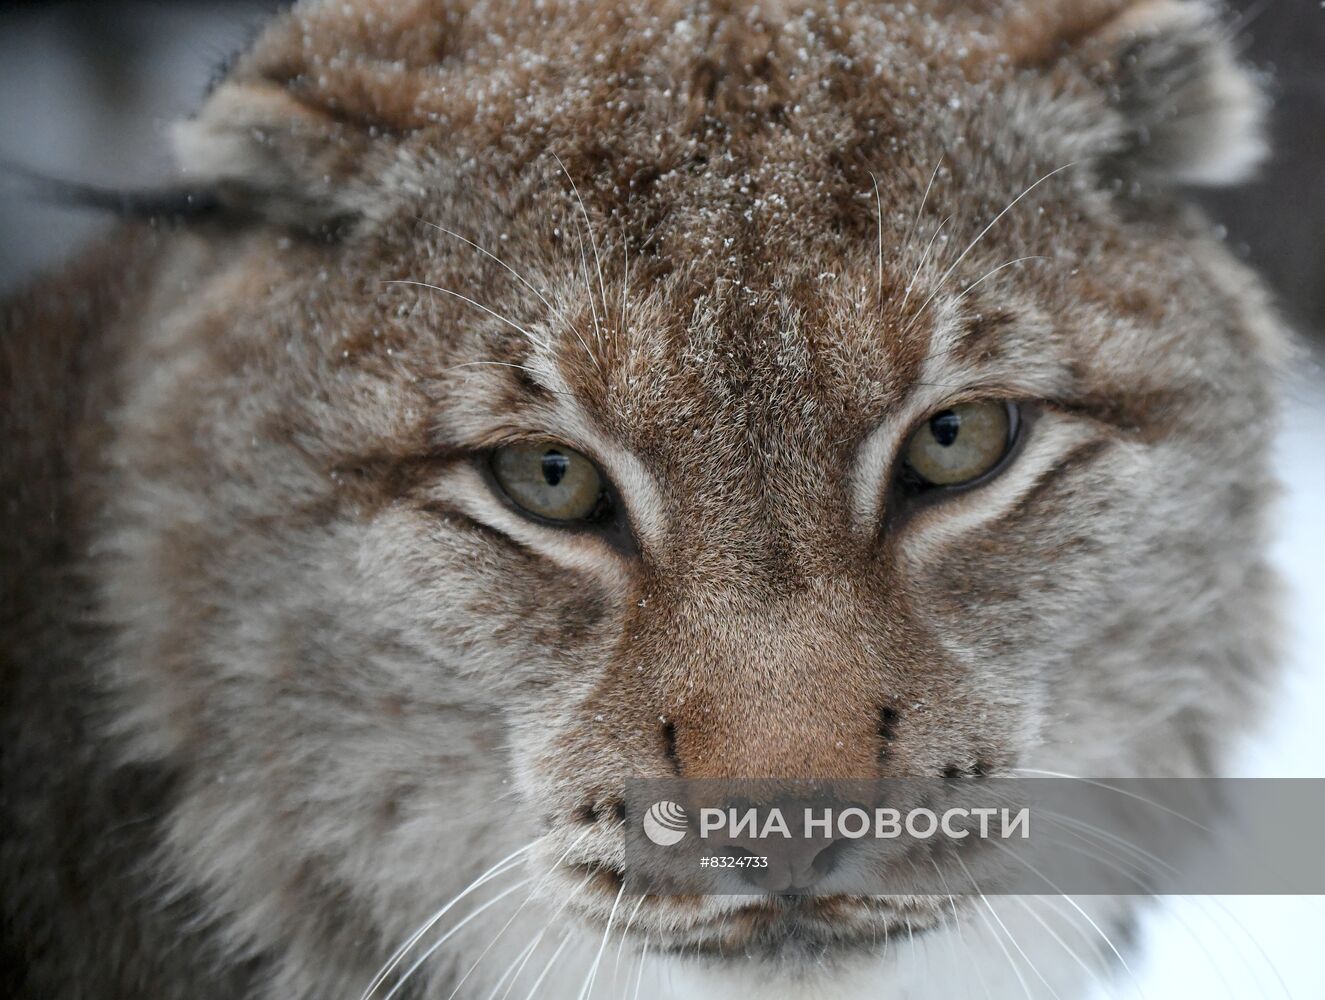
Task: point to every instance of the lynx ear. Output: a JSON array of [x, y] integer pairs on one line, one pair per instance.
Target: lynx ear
[[260, 151], [1190, 112], [302, 118]]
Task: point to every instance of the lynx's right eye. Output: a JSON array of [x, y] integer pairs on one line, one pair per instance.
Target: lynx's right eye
[[552, 483], [961, 444]]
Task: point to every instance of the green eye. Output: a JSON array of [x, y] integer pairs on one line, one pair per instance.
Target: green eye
[[551, 481], [957, 445]]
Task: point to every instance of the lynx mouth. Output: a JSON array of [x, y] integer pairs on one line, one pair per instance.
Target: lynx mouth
[[800, 929], [788, 929]]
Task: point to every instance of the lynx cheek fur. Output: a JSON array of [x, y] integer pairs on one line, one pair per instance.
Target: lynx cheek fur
[[285, 672]]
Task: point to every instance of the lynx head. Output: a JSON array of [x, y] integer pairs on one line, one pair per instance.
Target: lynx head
[[594, 391]]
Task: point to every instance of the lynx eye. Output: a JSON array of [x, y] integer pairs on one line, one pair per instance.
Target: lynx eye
[[550, 481], [960, 444]]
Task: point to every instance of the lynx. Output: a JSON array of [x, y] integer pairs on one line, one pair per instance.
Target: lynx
[[532, 397]]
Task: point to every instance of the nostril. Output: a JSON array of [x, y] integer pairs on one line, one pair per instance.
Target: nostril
[[669, 746], [827, 860], [796, 870], [888, 720]]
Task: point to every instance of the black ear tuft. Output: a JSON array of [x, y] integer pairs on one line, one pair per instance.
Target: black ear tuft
[[1185, 110], [1192, 112], [266, 154], [170, 204]]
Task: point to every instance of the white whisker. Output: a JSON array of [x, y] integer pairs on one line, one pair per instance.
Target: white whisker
[[598, 261], [984, 232], [514, 273], [1069, 917], [519, 909], [493, 257], [555, 914], [1119, 791], [948, 350], [432, 949], [878, 204], [500, 868], [1092, 973], [625, 933], [1144, 887], [1274, 969], [1071, 824], [915, 223], [644, 954], [592, 978], [548, 967], [1073, 903], [516, 967], [924, 256], [998, 940], [989, 274], [477, 305], [625, 282]]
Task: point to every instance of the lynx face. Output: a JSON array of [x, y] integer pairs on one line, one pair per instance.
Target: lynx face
[[806, 392]]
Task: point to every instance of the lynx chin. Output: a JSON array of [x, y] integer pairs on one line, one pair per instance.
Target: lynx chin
[[532, 397]]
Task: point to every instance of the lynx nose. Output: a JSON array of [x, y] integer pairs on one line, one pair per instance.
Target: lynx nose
[[765, 743], [792, 867]]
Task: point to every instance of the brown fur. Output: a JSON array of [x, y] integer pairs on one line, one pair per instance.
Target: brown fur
[[260, 578]]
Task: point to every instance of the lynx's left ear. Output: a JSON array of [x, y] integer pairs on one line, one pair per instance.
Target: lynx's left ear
[[261, 152], [1189, 112], [301, 126]]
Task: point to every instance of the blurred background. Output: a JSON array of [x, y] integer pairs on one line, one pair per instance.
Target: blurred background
[[87, 91]]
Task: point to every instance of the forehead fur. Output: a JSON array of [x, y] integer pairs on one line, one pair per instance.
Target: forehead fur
[[482, 68], [778, 220]]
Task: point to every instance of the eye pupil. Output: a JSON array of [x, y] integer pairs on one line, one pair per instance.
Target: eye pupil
[[555, 465], [945, 426], [551, 482], [958, 445]]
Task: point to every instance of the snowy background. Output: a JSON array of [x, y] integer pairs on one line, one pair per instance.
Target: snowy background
[[1241, 947], [86, 90]]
